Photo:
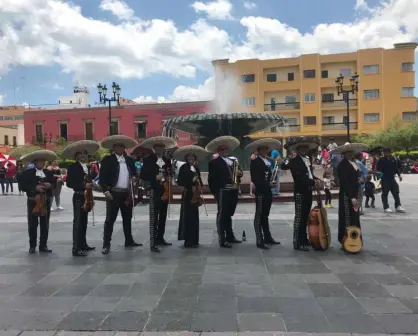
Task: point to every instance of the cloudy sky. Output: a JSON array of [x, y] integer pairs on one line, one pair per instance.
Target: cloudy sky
[[162, 49]]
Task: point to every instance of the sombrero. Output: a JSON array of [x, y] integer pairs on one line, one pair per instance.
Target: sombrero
[[270, 143], [197, 151], [141, 150], [124, 140], [88, 147], [293, 143], [228, 141], [41, 154], [159, 140], [350, 147]]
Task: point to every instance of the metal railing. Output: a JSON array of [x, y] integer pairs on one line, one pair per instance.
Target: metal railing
[[338, 103], [338, 126], [282, 106]]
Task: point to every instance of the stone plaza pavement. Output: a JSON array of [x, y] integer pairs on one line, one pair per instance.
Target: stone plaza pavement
[[210, 291]]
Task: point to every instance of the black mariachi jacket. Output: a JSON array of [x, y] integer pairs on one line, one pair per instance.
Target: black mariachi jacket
[[76, 178], [219, 175], [260, 175], [151, 169], [348, 178], [302, 182], [29, 181], [185, 177], [109, 171]]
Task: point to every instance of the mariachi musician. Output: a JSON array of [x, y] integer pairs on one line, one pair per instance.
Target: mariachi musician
[[304, 182], [261, 176], [118, 179], [192, 197], [36, 182], [223, 179], [157, 170], [80, 179]]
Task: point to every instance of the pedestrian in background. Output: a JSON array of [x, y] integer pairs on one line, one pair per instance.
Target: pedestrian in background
[[274, 159], [10, 174]]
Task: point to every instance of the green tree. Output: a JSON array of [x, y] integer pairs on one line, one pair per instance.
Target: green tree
[[23, 150]]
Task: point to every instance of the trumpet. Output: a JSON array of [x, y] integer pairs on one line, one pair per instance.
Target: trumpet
[[235, 171], [275, 172]]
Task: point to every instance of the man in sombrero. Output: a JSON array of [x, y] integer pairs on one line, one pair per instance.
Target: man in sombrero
[[221, 184], [117, 177], [36, 182], [79, 178], [261, 174], [304, 182], [157, 170]]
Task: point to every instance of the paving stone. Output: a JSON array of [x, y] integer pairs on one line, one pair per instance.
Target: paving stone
[[10, 332], [73, 333], [329, 290], [207, 304], [392, 279], [126, 321], [412, 304], [363, 324], [258, 305], [398, 323], [82, 321], [143, 303], [368, 290], [340, 306], [215, 322], [37, 333], [403, 291], [384, 306], [306, 323], [260, 322], [173, 321]]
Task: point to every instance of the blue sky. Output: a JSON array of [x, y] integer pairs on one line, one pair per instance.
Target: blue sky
[[45, 45]]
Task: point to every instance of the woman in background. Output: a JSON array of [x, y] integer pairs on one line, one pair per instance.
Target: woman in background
[[19, 171], [57, 187]]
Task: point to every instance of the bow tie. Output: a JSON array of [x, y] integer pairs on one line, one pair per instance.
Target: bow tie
[[121, 159], [40, 173]]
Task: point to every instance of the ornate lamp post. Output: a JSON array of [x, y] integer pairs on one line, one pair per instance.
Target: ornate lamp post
[[346, 95], [103, 99]]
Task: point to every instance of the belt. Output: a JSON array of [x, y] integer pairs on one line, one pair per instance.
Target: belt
[[121, 190]]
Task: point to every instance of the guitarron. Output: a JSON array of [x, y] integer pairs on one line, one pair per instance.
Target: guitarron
[[352, 241], [318, 228]]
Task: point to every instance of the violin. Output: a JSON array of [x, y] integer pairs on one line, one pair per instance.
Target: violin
[[133, 190], [197, 197], [40, 208], [88, 197], [167, 192]]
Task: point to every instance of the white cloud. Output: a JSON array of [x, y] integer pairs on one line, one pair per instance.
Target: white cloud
[[149, 99], [252, 5], [118, 8], [361, 5], [215, 10], [56, 86], [2, 99]]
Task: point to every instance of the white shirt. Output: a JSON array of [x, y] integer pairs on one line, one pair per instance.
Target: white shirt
[[308, 165], [83, 165], [355, 165], [327, 183], [160, 162], [266, 161], [123, 179], [193, 169], [40, 173], [228, 161]]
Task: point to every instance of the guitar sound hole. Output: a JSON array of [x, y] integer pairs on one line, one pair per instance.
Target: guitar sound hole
[[354, 235]]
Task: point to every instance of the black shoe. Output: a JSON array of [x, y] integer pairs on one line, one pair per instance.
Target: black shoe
[[263, 246], [163, 242], [271, 241], [45, 249], [373, 206], [79, 253], [191, 246], [88, 248], [155, 249], [226, 245], [304, 248], [133, 244], [32, 250], [367, 206], [234, 241], [105, 250]]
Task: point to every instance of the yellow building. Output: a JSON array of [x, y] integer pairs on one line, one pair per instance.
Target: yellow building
[[303, 90]]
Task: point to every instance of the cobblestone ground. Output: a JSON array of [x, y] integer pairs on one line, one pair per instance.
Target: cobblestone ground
[[210, 291]]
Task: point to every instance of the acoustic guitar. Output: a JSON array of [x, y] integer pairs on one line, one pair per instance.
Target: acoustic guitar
[[352, 242], [318, 229]]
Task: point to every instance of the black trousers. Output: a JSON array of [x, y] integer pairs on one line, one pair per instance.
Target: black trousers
[[112, 210], [34, 221], [303, 205], [328, 196], [157, 216], [79, 222], [227, 200], [392, 186], [370, 197], [261, 219]]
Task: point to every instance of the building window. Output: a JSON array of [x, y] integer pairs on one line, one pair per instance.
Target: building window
[[292, 121], [327, 97], [64, 131], [273, 104], [114, 128], [250, 101], [291, 76], [309, 97], [371, 117], [371, 69], [6, 140], [324, 73], [14, 141], [250, 78], [290, 99], [309, 73], [408, 66], [309, 120], [39, 133], [272, 78], [88, 127], [408, 92], [141, 130], [345, 72], [273, 129], [371, 94], [409, 116], [345, 119], [328, 120]]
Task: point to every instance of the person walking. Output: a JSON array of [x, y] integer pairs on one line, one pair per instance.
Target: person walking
[[274, 158], [19, 170], [10, 174], [57, 186]]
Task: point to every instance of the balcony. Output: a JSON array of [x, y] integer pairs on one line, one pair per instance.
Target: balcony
[[282, 106], [292, 129], [338, 126], [338, 103]]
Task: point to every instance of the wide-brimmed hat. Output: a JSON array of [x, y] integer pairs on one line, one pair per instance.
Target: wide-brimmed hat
[[141, 151], [270, 143], [41, 154], [124, 140], [350, 147], [310, 142], [197, 151], [88, 147], [227, 141], [159, 140]]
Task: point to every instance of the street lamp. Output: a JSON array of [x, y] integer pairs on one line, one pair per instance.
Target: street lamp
[[103, 99], [45, 139], [346, 95]]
